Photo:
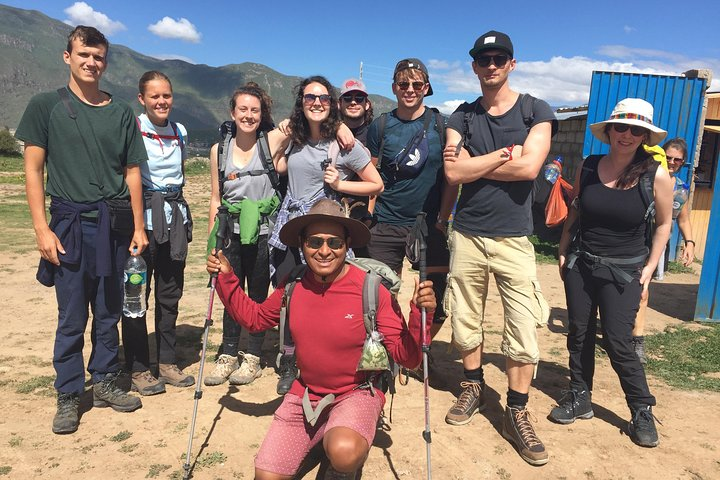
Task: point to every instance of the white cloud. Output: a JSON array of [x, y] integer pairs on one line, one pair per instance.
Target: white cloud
[[181, 29], [628, 29], [81, 13], [566, 80], [441, 64], [173, 56], [446, 107]]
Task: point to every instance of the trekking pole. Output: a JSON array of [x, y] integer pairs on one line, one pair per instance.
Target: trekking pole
[[222, 219], [421, 249]]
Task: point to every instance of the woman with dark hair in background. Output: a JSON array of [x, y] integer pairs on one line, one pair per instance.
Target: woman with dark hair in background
[[609, 264], [676, 154], [252, 203], [168, 225], [313, 175]]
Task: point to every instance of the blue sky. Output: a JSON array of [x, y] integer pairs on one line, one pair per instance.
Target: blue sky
[[557, 43]]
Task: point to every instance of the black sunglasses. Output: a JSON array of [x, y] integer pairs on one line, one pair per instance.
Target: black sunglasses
[[499, 60], [675, 159], [415, 85], [350, 98], [635, 130], [334, 243], [309, 99]]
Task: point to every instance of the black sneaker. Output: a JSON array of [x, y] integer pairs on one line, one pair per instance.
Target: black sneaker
[[288, 372], [66, 418], [642, 427], [638, 344], [518, 429], [470, 401], [573, 404], [107, 394]]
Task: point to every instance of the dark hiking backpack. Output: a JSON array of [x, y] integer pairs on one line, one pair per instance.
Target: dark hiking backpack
[[377, 274]]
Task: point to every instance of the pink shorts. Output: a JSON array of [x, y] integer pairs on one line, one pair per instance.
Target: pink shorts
[[291, 437]]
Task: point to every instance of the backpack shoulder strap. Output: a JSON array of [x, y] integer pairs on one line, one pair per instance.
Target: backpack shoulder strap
[[285, 338], [178, 134], [266, 158], [371, 290], [646, 184], [589, 165], [527, 102], [226, 134], [65, 97], [382, 121], [439, 125]]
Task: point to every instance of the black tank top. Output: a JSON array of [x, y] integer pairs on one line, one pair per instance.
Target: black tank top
[[612, 223]]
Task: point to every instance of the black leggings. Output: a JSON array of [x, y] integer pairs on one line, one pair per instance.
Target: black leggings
[[587, 286]]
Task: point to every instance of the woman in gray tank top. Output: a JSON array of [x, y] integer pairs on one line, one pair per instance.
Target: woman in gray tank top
[[251, 199]]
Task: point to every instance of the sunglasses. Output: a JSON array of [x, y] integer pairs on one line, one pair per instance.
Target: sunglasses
[[415, 85], [360, 99], [499, 60], [635, 130], [309, 99], [316, 243], [675, 159]]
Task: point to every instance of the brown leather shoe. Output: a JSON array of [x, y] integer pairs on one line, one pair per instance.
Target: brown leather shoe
[[518, 429], [170, 373], [145, 384]]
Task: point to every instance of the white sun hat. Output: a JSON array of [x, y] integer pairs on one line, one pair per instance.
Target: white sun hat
[[633, 112]]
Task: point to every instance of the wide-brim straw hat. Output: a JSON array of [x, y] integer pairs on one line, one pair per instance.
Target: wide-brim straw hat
[[325, 210], [633, 112]]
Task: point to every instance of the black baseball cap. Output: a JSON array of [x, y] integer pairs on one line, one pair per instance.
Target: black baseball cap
[[417, 65], [492, 40]]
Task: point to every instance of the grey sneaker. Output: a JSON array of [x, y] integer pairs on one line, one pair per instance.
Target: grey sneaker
[[573, 404], [642, 427], [224, 366], [145, 384], [249, 370], [171, 373], [288, 373], [518, 429], [470, 401], [638, 344], [66, 418], [107, 394]]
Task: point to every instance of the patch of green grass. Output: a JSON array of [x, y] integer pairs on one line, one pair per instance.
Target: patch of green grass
[[683, 358], [42, 385], [545, 252], [15, 441], [128, 447], [121, 437], [15, 179], [197, 166], [12, 164], [156, 469], [677, 267], [5, 469], [211, 459], [15, 215]]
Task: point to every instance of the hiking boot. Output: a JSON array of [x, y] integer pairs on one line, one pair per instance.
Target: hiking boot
[[470, 401], [573, 404], [332, 474], [170, 373], [145, 384], [288, 372], [518, 429], [224, 366], [66, 418], [642, 427], [107, 394], [249, 370], [638, 344]]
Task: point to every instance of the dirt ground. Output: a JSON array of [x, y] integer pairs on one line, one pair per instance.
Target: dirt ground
[[231, 422]]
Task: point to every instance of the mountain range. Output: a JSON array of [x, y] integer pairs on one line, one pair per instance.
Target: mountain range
[[31, 47]]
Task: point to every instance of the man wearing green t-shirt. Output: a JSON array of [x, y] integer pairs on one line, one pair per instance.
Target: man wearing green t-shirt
[[92, 148]]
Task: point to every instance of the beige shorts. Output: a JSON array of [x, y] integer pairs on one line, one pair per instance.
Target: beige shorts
[[512, 262]]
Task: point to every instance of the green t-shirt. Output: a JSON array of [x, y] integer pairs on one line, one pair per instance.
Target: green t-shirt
[[88, 168]]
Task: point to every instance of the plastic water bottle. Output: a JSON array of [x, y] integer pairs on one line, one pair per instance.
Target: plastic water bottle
[[134, 304], [553, 170], [680, 196]]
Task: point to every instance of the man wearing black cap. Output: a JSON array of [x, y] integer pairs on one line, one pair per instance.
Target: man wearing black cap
[[506, 138], [390, 137], [328, 330]]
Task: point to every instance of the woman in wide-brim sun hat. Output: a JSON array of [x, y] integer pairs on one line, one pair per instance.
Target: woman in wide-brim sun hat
[[634, 112], [608, 266]]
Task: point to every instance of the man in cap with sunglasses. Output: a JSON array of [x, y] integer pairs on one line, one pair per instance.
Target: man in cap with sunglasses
[[328, 330], [405, 196], [506, 138], [355, 107]]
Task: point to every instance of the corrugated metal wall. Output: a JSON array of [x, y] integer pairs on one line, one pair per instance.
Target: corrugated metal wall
[[678, 104]]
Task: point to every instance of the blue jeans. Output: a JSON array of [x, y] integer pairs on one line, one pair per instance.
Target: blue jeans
[[76, 288]]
